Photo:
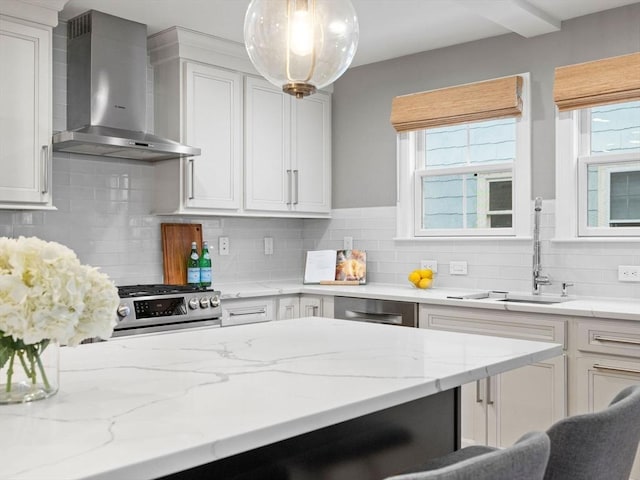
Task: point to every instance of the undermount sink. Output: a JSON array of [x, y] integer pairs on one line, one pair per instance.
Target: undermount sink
[[538, 299]]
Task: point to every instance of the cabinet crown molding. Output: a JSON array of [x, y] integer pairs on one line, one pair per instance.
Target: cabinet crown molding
[[44, 12], [183, 43]]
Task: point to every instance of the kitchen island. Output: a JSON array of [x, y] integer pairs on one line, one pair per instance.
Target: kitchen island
[[152, 405]]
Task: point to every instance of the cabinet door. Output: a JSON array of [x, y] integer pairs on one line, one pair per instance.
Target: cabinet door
[[288, 307], [311, 153], [268, 173], [599, 379], [213, 122], [25, 118], [498, 410], [529, 398]]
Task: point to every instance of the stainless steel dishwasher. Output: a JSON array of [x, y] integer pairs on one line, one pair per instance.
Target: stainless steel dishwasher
[[404, 314]]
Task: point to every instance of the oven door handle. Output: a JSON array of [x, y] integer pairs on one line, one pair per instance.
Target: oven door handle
[[390, 318]]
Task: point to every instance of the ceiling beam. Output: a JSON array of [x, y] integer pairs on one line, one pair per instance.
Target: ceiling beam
[[519, 16]]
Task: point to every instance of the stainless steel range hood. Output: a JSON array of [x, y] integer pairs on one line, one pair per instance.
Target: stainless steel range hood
[[107, 94]]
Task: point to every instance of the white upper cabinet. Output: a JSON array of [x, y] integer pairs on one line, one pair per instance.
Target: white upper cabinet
[[26, 114], [264, 153], [213, 122], [287, 150]]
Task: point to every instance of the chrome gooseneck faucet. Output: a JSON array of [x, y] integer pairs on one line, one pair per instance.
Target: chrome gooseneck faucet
[[538, 278]]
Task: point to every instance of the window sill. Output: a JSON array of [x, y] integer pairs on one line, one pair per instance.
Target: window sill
[[596, 240], [463, 238]]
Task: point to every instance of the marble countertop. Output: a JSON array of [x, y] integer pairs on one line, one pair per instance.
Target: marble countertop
[[616, 308], [149, 405]]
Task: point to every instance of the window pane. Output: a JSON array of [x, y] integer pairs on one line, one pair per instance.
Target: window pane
[[615, 128], [500, 195], [474, 143], [501, 221], [625, 196], [613, 194], [466, 201]]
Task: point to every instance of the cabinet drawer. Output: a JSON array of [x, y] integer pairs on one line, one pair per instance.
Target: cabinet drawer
[[524, 326], [610, 337], [238, 312]]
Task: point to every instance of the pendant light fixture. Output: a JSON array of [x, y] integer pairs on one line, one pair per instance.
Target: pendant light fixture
[[301, 45]]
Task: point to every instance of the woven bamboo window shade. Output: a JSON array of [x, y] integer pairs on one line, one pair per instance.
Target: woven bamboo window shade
[[610, 80], [461, 104]]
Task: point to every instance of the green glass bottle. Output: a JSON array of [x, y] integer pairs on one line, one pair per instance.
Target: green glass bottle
[[205, 266], [193, 266]]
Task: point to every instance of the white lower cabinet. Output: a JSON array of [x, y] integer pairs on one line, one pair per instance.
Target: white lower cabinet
[[607, 360], [288, 307], [316, 306], [498, 410], [294, 306], [249, 310]]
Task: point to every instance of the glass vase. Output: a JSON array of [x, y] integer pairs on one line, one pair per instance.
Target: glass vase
[[28, 372]]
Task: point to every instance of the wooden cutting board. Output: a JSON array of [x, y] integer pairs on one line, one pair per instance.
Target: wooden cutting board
[[176, 246]]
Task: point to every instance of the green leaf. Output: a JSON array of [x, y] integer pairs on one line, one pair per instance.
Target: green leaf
[[7, 347]]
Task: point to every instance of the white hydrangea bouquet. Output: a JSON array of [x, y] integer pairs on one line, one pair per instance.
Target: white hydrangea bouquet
[[46, 296]]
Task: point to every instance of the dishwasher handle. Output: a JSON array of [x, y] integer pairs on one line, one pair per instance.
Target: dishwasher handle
[[390, 318]]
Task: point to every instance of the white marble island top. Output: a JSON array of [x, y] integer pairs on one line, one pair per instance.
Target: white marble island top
[[150, 405]]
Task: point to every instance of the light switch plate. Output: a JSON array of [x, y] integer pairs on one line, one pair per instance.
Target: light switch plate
[[268, 245], [347, 243], [458, 268]]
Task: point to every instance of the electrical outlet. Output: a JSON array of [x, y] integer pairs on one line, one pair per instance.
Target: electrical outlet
[[223, 245], [629, 273], [430, 264], [347, 243], [268, 245], [458, 268]]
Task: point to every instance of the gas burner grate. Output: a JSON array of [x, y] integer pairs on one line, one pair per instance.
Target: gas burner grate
[[129, 291]]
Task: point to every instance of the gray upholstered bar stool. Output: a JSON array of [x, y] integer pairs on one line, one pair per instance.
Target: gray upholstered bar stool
[[524, 460], [592, 446]]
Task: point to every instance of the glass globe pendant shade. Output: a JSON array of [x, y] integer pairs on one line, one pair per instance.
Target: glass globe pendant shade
[[301, 45]]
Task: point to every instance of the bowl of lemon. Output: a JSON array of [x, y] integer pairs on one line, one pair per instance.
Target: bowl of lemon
[[421, 278]]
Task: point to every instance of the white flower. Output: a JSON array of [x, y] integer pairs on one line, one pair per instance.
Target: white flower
[[46, 293]]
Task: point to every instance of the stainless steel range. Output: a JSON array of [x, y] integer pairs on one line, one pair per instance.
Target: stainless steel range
[[156, 308]]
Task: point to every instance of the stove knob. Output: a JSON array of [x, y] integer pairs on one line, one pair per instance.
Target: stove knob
[[215, 301], [204, 302], [123, 311], [193, 303]]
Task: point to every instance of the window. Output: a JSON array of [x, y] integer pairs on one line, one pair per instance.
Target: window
[[609, 170], [463, 179], [598, 148]]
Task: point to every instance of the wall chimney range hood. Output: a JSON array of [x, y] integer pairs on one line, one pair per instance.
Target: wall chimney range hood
[[106, 92]]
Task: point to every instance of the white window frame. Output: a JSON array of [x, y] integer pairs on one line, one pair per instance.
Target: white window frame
[[409, 188], [572, 140]]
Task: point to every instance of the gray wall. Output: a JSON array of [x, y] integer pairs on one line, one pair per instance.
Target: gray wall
[[364, 142]]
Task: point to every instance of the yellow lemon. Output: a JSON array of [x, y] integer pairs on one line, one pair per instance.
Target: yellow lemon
[[425, 273], [414, 277], [425, 283]]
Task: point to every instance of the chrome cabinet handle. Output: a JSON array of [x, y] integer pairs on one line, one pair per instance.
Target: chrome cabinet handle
[[289, 201], [44, 159], [478, 397], [616, 369], [295, 178], [624, 341], [259, 312], [489, 400], [192, 193]]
